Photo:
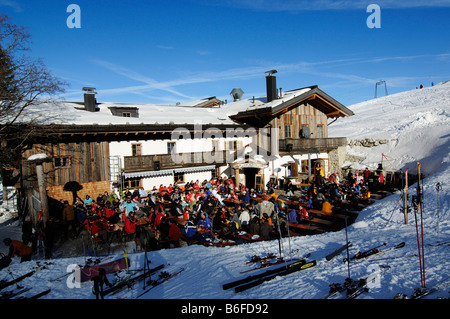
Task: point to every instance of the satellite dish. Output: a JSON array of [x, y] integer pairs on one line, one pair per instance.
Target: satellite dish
[[237, 94], [305, 132]]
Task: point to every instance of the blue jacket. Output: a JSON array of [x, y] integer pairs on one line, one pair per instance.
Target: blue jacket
[[205, 223], [128, 207], [292, 217], [190, 229]]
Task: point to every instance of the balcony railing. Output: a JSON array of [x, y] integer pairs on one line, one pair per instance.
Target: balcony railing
[[311, 144], [166, 161]]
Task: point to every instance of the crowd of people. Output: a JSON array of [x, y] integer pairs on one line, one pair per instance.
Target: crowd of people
[[214, 212]]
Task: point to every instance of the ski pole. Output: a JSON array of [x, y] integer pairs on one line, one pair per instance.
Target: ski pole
[[438, 189], [145, 256], [398, 202], [84, 248], [348, 254], [17, 284], [420, 193], [405, 200]]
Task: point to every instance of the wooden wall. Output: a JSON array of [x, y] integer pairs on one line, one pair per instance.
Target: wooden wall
[[304, 114], [89, 162]]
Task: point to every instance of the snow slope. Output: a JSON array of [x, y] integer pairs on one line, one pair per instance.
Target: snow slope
[[416, 124], [408, 117]]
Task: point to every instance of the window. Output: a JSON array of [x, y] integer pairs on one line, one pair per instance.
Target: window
[[319, 131], [61, 162], [215, 145], [170, 147], [178, 178], [132, 183], [230, 145], [287, 131], [136, 149], [126, 114]]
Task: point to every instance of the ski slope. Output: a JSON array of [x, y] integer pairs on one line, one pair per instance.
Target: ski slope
[[417, 124]]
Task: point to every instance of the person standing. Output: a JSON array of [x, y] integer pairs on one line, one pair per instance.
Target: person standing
[[68, 218]]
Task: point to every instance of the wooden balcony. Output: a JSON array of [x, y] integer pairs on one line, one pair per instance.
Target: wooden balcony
[[165, 161], [310, 145]]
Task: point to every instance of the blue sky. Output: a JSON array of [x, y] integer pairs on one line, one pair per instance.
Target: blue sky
[[175, 51]]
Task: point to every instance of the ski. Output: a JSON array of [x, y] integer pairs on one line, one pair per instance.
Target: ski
[[256, 258], [374, 251], [422, 292], [364, 283], [285, 272], [4, 284], [127, 283], [338, 251], [11, 294], [89, 262], [394, 257], [355, 288], [438, 243], [337, 288], [87, 273], [39, 295], [268, 264], [261, 275], [163, 277]]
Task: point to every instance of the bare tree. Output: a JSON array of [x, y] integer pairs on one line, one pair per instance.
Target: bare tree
[[24, 81]]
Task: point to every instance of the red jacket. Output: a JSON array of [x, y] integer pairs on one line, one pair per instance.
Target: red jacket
[[108, 212], [130, 225], [158, 218], [174, 232], [18, 248]]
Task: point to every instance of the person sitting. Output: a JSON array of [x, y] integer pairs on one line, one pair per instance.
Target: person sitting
[[99, 231], [130, 224], [255, 226], [128, 206], [327, 208], [244, 217], [174, 234], [303, 213], [265, 228], [142, 193], [293, 216], [88, 201], [190, 230], [204, 221]]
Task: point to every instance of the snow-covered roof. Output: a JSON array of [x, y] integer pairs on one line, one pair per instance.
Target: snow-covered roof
[[73, 113]]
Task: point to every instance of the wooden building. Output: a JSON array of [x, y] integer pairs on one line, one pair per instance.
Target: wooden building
[[99, 145]]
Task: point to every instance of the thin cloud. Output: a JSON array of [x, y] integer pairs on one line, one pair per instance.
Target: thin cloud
[[203, 52], [165, 47], [320, 5], [317, 68], [150, 83], [12, 4]]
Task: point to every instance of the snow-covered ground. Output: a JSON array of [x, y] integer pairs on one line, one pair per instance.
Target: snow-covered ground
[[417, 125]]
